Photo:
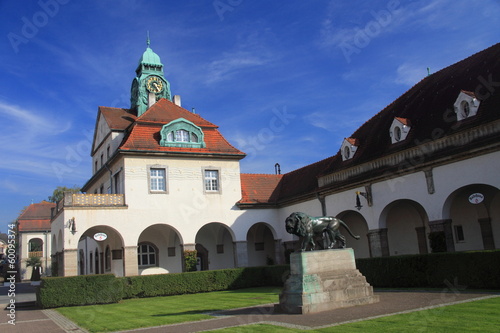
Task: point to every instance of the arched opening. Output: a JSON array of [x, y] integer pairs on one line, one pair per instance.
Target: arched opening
[[474, 214], [357, 223], [159, 250], [218, 241], [261, 245], [35, 248], [53, 247], [407, 227], [95, 245]]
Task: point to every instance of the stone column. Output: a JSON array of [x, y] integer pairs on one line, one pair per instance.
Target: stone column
[[487, 233], [70, 262], [279, 252], [130, 264], [378, 242], [422, 240], [240, 254]]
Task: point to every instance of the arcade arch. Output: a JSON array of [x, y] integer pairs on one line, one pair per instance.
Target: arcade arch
[[407, 226], [91, 252], [474, 213], [261, 248], [215, 247], [358, 226], [159, 250]]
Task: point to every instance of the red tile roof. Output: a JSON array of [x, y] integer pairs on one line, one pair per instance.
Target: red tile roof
[[404, 121], [352, 141], [117, 119], [259, 188], [144, 133], [36, 217]]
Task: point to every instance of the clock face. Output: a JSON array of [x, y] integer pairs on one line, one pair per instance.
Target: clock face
[[154, 84]]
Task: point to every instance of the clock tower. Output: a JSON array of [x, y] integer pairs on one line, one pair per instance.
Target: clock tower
[[150, 84]]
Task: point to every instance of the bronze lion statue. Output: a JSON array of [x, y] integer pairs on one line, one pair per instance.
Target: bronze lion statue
[[308, 227]]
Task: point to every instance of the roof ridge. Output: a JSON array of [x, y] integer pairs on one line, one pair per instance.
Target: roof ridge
[[163, 101]]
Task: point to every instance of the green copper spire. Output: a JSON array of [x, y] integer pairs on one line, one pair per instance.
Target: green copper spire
[[150, 80]]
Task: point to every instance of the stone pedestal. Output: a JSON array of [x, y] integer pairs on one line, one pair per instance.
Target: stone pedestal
[[324, 280]]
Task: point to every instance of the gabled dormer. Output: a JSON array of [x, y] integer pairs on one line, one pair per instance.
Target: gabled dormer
[[399, 129], [466, 105], [182, 133], [349, 148]]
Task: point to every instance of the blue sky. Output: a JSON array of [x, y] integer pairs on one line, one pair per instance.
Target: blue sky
[[286, 81]]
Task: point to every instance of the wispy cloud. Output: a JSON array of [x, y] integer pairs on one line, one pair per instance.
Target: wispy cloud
[[253, 49], [232, 63], [410, 74], [32, 120]]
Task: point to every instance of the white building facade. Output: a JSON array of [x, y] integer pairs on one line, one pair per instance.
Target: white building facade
[[418, 177]]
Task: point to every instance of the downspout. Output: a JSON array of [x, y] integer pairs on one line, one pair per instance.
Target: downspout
[[321, 199], [110, 177]]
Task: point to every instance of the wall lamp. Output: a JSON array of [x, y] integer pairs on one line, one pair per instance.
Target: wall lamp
[[72, 225], [367, 195]]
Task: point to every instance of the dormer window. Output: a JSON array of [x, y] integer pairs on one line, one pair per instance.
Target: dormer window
[[399, 129], [349, 148], [182, 133], [466, 105]]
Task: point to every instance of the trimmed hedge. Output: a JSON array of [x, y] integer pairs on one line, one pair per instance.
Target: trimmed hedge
[[79, 290], [204, 281], [474, 270], [99, 289]]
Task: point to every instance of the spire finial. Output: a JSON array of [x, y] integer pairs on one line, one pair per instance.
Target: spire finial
[[148, 41]]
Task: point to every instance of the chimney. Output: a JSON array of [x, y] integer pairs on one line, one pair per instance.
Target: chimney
[[177, 100]]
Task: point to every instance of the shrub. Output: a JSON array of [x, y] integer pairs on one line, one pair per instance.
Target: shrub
[[79, 290], [204, 281], [474, 270], [190, 260]]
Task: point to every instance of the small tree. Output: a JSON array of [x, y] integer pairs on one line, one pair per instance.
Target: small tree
[[190, 260], [58, 193]]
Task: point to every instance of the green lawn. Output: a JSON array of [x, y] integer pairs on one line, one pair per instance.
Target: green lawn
[[478, 316], [155, 311]]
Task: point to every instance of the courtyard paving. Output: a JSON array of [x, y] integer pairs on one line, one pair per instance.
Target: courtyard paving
[[31, 319]]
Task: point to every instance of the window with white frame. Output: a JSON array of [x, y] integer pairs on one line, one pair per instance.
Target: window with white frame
[[146, 254], [211, 180], [157, 179]]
